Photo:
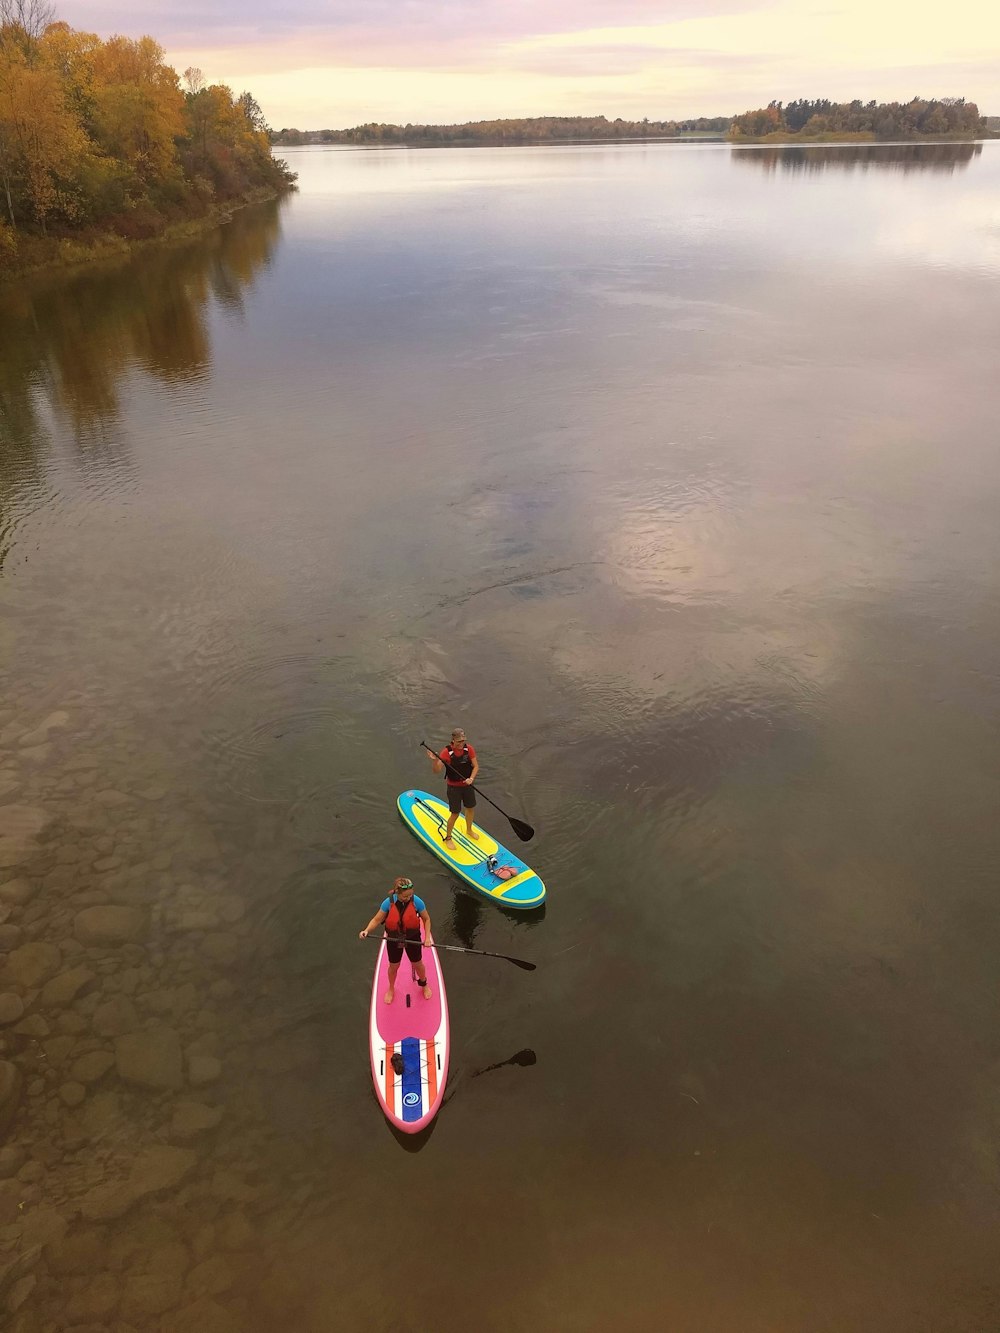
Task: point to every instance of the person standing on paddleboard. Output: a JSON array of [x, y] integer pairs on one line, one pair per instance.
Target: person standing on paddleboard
[[460, 765], [402, 913]]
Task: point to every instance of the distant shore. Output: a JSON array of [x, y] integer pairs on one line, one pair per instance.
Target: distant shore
[[730, 140]]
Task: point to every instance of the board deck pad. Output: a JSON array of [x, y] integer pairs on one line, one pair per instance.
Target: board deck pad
[[427, 817], [415, 1029]]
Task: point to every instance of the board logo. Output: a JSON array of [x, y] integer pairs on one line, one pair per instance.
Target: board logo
[[412, 1099]]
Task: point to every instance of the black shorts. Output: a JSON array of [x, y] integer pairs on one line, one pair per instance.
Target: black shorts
[[414, 951], [459, 796]]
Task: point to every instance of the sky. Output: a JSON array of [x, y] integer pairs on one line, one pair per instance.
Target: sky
[[328, 64]]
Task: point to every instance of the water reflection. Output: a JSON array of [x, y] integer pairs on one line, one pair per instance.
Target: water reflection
[[68, 344], [903, 157]]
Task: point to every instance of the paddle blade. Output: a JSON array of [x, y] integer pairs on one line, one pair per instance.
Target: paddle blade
[[522, 963], [524, 831]]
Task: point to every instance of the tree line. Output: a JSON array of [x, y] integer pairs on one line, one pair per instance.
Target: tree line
[[880, 120], [527, 130], [101, 137]]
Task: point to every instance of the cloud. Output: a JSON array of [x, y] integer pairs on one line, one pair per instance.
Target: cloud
[[327, 63], [372, 26]]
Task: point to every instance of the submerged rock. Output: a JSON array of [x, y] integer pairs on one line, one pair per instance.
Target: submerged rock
[[108, 924], [115, 1017], [193, 1118], [32, 965], [64, 988], [41, 733], [20, 826], [153, 1171], [210, 1278], [203, 1069], [72, 1093], [160, 1168], [11, 1088], [89, 1068], [152, 1059], [96, 1302], [17, 892], [206, 1316]]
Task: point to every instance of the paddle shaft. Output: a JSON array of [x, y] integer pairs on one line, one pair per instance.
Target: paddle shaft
[[457, 948], [524, 831]]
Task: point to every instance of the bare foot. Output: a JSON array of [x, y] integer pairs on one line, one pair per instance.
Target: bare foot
[[448, 843], [427, 992], [474, 836], [390, 996]]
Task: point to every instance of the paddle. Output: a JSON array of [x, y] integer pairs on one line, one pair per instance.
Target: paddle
[[524, 831], [457, 948]]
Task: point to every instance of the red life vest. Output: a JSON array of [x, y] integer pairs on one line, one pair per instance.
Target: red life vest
[[403, 919], [458, 767]]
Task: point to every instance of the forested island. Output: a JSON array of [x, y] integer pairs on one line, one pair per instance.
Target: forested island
[[949, 117], [802, 119], [101, 144]]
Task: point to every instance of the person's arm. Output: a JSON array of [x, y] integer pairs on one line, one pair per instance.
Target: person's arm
[[436, 763], [376, 920], [475, 770], [425, 917]]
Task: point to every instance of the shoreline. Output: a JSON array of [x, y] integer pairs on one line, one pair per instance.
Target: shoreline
[[66, 252]]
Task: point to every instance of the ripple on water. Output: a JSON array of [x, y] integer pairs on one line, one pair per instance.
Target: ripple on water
[[280, 733], [666, 541]]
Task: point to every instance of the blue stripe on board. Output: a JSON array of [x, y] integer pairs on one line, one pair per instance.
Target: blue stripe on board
[[413, 1102]]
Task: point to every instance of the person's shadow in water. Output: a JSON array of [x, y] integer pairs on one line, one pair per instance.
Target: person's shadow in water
[[467, 916]]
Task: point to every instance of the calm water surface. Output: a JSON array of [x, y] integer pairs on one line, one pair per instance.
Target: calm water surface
[[672, 474]]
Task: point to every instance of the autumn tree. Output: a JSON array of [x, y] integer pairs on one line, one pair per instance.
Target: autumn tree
[[41, 141], [139, 108]]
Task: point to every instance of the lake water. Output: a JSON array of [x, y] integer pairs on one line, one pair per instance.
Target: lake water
[[673, 474]]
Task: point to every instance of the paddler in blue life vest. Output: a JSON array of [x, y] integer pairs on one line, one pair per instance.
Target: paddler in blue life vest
[[459, 763], [402, 913]]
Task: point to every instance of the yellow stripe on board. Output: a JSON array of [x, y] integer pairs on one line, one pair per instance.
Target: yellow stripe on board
[[512, 883], [486, 846]]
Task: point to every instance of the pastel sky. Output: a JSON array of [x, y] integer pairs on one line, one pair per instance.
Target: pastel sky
[[318, 64]]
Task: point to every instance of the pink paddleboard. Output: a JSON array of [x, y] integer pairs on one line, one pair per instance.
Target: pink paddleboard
[[416, 1030]]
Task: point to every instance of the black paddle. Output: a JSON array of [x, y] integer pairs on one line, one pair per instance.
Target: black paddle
[[457, 948], [524, 831]]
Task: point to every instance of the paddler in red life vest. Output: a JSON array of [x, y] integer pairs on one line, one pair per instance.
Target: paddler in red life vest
[[402, 913], [459, 763]]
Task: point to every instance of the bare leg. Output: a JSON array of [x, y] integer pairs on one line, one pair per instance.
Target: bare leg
[[447, 836], [390, 993], [468, 825], [422, 980]]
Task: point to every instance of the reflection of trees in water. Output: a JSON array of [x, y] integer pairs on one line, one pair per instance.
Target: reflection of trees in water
[[68, 340], [903, 157]]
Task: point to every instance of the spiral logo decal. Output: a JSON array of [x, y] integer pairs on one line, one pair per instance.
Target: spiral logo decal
[[412, 1099]]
